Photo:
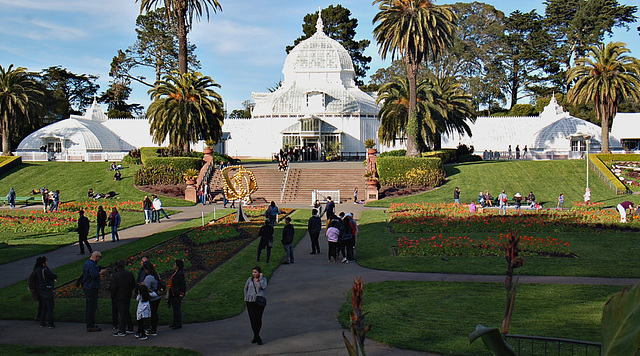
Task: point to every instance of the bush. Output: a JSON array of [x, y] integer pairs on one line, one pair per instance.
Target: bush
[[447, 155], [158, 174], [409, 171], [180, 163], [469, 158], [394, 153], [133, 157]]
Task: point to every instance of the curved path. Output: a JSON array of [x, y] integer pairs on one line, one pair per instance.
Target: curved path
[[300, 318]]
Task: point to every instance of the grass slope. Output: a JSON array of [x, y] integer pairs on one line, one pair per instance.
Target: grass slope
[[547, 179], [74, 179]]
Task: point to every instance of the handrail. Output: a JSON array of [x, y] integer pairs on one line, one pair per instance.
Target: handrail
[[284, 182]]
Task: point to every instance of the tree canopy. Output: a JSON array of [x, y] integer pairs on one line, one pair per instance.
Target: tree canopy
[[66, 93]]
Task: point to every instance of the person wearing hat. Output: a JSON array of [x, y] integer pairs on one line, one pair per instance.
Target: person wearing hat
[[518, 200]]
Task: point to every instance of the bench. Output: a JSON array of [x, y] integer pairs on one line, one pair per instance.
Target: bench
[[19, 200]]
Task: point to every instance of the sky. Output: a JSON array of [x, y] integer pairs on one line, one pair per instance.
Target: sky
[[242, 48]]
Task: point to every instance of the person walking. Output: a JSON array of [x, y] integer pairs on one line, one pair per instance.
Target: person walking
[[524, 152], [101, 222], [333, 236], [45, 198], [255, 297], [502, 201], [91, 273], [56, 201], [560, 204], [157, 208], [517, 151], [147, 206], [122, 285], [272, 213], [330, 208], [314, 226], [456, 197], [11, 198], [46, 284], [266, 239], [114, 222], [287, 241], [83, 232], [355, 195], [34, 285], [177, 292], [622, 209]]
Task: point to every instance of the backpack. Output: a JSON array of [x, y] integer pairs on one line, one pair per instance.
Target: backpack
[[162, 287]]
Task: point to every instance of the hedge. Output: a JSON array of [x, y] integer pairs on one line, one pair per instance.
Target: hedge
[[447, 155], [8, 162], [599, 159], [394, 153], [410, 171], [160, 174], [149, 152], [181, 163]]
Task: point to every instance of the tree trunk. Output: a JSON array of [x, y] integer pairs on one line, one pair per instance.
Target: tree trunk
[[412, 121], [6, 138], [182, 39], [605, 135]]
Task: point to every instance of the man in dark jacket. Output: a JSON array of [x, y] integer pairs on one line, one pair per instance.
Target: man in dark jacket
[[177, 290], [331, 208], [46, 283], [287, 241], [266, 239], [83, 232], [91, 287], [314, 226], [122, 284]]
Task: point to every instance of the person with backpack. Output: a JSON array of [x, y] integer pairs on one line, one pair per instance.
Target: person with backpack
[[11, 198], [266, 239], [34, 286], [347, 240], [152, 282], [272, 213], [143, 312]]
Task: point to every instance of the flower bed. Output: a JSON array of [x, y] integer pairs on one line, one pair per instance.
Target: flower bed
[[439, 245], [202, 249], [445, 218], [627, 172]]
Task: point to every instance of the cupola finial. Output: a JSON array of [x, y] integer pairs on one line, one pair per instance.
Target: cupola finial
[[319, 24]]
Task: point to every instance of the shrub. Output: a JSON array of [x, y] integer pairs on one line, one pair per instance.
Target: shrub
[[133, 157], [469, 158], [394, 153], [181, 163], [447, 155], [158, 174], [409, 171]]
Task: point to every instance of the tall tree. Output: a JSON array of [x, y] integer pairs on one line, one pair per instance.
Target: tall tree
[[339, 25], [453, 106], [156, 47], [605, 78], [20, 99], [578, 24], [415, 30], [183, 13], [66, 93], [185, 109], [522, 55]]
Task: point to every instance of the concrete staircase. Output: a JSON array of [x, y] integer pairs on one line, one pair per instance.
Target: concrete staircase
[[300, 183]]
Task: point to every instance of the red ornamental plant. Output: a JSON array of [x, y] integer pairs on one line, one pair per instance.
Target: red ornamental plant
[[513, 261], [357, 326]]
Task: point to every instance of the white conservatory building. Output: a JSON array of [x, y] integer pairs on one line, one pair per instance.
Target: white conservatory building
[[90, 137], [318, 104], [552, 134]]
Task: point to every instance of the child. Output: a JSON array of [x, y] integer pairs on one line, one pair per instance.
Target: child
[[472, 207], [560, 202], [144, 311]]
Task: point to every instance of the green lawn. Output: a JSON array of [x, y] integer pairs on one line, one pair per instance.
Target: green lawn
[[439, 316], [601, 254], [547, 179], [74, 179]]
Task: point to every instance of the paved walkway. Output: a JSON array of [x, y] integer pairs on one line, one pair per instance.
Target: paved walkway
[[300, 318]]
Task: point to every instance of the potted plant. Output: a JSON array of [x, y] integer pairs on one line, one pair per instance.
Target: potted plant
[[369, 145], [190, 176], [372, 177], [209, 148]]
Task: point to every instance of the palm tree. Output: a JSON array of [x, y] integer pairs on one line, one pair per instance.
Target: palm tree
[[183, 12], [416, 30], [454, 104], [442, 107], [185, 109], [20, 98], [606, 78]]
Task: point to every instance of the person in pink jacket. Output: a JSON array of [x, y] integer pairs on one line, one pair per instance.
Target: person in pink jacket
[[333, 234]]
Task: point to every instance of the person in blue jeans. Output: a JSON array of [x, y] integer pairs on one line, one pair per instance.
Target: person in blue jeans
[[287, 241], [114, 221], [91, 273], [157, 208], [56, 201], [177, 290]]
